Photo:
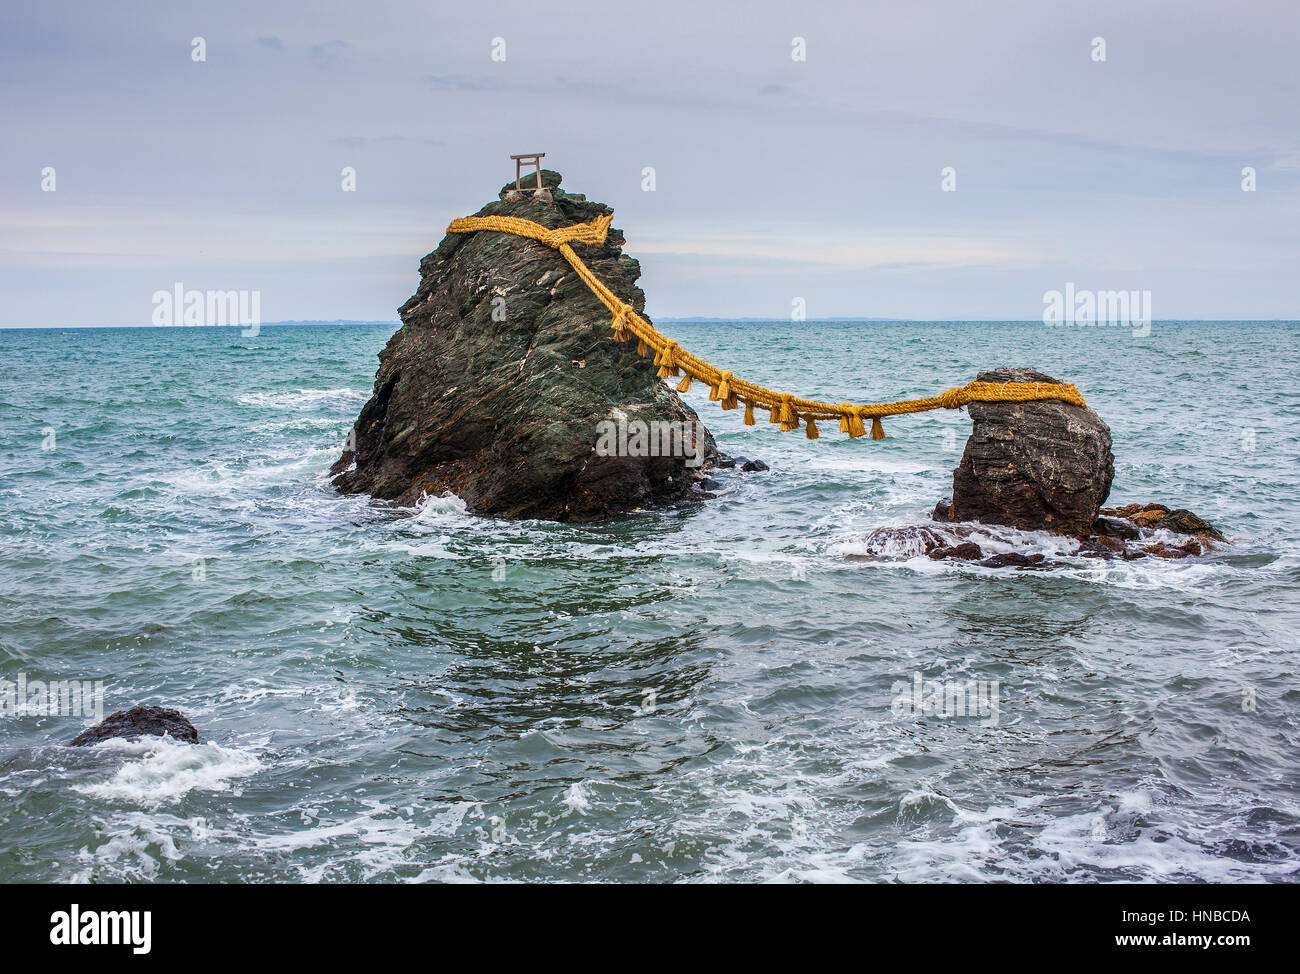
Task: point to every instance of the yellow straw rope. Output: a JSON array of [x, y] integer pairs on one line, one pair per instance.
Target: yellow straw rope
[[725, 388]]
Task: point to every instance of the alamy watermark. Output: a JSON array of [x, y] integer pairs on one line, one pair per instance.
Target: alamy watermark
[[1074, 306], [948, 698], [657, 438], [181, 307], [77, 927], [21, 697]]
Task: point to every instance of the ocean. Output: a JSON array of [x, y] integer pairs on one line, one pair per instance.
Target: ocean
[[716, 692]]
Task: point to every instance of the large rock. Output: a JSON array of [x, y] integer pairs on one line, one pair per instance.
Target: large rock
[[504, 409], [1039, 465], [140, 722]]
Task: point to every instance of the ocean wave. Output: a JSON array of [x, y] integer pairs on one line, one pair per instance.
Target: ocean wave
[[158, 771], [304, 398]]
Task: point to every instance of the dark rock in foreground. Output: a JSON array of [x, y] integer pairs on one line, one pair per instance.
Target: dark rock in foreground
[[496, 386], [140, 722], [966, 551], [1013, 559], [1039, 465]]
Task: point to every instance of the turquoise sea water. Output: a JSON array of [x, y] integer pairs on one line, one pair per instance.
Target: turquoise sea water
[[691, 695]]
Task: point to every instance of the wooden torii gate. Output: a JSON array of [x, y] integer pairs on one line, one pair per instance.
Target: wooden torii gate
[[533, 158]]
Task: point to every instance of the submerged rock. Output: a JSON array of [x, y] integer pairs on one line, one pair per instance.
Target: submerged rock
[[140, 722], [1115, 527], [1162, 550], [894, 543], [1013, 559], [966, 551], [1039, 465], [496, 386]]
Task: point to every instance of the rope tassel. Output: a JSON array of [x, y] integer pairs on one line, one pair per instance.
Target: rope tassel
[[855, 424], [749, 412], [667, 362], [810, 428], [685, 384], [788, 420], [724, 388], [621, 334], [727, 395], [877, 430]]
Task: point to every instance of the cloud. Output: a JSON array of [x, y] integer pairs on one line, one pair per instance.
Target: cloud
[[331, 55]]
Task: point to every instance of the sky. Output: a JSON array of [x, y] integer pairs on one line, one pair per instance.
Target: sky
[[775, 178]]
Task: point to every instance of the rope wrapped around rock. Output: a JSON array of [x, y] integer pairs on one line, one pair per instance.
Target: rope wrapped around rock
[[724, 388]]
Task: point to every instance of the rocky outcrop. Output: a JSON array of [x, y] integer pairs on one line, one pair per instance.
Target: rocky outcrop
[[496, 386], [988, 546], [140, 722], [1157, 517], [1039, 465]]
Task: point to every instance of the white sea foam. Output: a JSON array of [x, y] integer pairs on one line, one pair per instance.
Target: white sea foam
[[137, 844], [859, 463], [242, 479], [576, 799], [1056, 848], [303, 398], [160, 771], [436, 507], [889, 548]]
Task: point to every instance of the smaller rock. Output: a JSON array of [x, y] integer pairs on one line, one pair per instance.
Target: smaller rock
[[140, 722], [1115, 527], [724, 462], [1185, 522], [966, 551], [1137, 512], [751, 466], [707, 483], [1011, 559], [942, 510], [900, 543], [1157, 517], [1101, 547], [1161, 550], [1036, 465]]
